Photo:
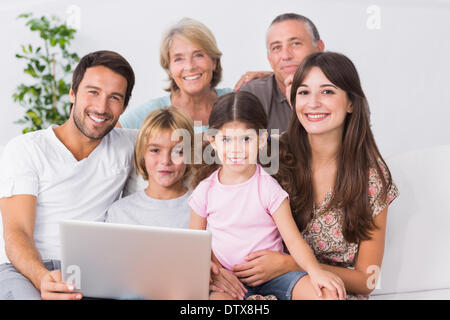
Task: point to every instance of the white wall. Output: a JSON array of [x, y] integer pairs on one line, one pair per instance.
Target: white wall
[[403, 65]]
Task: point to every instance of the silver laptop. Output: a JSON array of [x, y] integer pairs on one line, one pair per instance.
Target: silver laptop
[[118, 261]]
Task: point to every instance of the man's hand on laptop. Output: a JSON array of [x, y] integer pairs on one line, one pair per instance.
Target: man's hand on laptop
[[52, 287]]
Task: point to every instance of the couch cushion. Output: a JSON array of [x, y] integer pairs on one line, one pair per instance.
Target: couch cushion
[[416, 257], [443, 294], [3, 258]]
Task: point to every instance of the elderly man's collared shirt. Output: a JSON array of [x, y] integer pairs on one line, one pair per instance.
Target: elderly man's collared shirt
[[273, 100]]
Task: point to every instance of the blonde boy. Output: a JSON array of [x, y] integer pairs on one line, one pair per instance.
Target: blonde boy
[[162, 157]]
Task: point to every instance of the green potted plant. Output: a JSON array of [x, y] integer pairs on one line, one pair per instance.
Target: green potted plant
[[50, 65]]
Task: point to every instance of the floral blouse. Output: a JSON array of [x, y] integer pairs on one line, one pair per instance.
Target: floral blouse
[[324, 231]]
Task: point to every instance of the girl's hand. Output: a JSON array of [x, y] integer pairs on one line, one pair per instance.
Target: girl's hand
[[223, 280], [261, 266], [325, 279]]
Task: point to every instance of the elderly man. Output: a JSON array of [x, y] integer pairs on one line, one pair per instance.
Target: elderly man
[[290, 38], [73, 171]]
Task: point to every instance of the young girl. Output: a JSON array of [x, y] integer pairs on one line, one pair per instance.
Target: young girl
[[244, 207], [339, 185], [159, 158]]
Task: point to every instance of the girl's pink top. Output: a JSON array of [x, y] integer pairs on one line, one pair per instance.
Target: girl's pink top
[[240, 216]]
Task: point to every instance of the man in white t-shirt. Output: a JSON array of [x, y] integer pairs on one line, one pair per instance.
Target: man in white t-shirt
[[73, 171]]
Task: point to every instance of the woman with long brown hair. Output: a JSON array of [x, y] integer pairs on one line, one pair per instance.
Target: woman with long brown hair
[[246, 209], [339, 185]]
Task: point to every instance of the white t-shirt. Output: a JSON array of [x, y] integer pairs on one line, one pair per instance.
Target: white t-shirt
[[39, 164], [141, 209]]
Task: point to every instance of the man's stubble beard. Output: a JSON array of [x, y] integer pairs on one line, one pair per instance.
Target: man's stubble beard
[[78, 120]]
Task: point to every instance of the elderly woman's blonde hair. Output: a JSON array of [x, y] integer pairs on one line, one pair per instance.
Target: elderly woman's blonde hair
[[169, 118], [199, 35]]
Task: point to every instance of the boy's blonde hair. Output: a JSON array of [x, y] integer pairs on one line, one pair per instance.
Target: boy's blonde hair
[[169, 118]]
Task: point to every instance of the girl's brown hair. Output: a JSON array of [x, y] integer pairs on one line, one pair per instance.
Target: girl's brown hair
[[358, 154], [234, 106]]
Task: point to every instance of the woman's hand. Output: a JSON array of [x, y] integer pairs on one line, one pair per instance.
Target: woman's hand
[[325, 279], [262, 266], [223, 280]]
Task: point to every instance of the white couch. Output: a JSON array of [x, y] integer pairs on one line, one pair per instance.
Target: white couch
[[416, 258], [3, 258], [2, 246]]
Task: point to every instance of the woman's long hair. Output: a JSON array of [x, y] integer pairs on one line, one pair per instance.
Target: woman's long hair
[[358, 153], [234, 106]]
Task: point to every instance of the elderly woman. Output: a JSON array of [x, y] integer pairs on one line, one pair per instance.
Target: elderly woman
[[190, 56]]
